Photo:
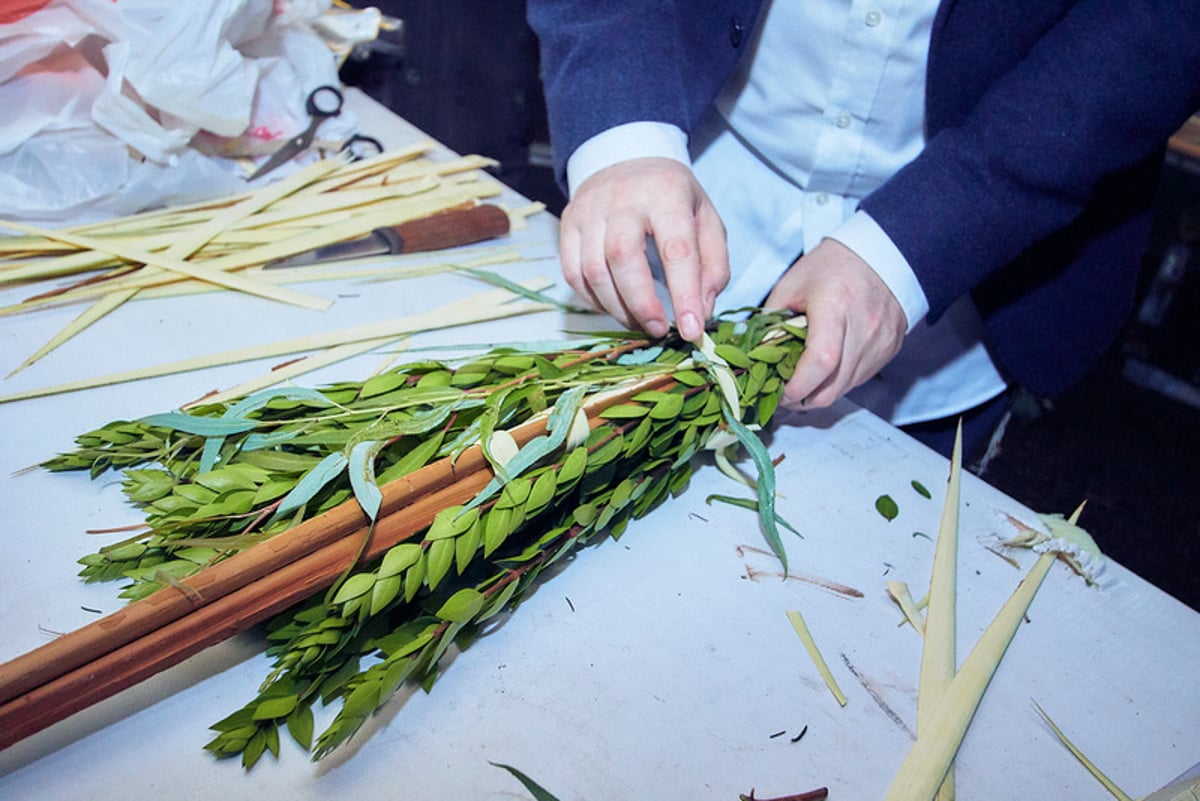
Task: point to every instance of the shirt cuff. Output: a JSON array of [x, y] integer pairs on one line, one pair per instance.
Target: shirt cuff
[[633, 140], [863, 235]]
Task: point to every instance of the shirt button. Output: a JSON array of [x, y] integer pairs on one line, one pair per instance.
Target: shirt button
[[842, 120], [735, 32], [822, 198], [873, 18]]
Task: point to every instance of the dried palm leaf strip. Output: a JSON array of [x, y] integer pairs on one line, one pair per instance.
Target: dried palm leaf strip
[[477, 308]]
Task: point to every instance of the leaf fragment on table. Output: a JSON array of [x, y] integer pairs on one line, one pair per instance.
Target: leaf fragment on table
[[898, 591], [814, 653], [887, 507], [1108, 783], [538, 792]]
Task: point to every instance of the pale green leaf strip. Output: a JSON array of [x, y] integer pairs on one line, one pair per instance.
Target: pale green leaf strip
[[495, 279], [766, 484], [814, 653], [194, 424], [751, 504], [537, 448], [361, 466], [1108, 783], [321, 474], [251, 403], [257, 400], [640, 356]]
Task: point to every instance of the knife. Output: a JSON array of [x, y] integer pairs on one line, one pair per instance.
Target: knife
[[447, 229]]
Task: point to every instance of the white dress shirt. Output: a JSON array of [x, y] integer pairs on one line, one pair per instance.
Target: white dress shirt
[[827, 104]]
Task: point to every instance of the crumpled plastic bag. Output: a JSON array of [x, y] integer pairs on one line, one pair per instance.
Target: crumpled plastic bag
[[111, 108]]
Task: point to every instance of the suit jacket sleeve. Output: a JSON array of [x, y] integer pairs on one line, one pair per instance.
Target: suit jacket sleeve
[[1099, 91], [609, 63]]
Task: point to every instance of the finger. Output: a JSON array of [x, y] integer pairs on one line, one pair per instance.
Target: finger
[[714, 257], [569, 260], [630, 284], [678, 246], [818, 372]]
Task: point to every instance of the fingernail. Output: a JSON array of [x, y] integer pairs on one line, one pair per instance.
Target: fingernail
[[657, 328], [689, 327]]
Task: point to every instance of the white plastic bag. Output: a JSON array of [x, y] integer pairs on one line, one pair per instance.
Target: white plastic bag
[[111, 108]]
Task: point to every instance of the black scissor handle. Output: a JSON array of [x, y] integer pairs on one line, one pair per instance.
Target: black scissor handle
[[324, 101], [360, 146]]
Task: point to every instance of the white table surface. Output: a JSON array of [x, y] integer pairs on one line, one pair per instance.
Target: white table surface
[[654, 667]]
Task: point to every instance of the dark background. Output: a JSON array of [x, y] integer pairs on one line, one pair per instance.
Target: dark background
[[1126, 439]]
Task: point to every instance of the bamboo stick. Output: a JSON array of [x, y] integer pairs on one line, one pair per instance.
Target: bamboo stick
[[83, 667]]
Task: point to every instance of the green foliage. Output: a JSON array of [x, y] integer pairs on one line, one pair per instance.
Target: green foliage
[[224, 477]]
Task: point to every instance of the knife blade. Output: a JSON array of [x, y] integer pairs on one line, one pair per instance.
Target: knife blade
[[447, 229]]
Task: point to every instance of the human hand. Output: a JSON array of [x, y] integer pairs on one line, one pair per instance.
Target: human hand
[[855, 323], [602, 245]]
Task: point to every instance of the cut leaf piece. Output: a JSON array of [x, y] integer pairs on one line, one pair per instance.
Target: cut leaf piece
[[814, 653]]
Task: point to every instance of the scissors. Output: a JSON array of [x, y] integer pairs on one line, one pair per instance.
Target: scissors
[[322, 103]]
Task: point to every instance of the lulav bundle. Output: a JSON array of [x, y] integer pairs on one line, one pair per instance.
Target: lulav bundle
[[621, 420]]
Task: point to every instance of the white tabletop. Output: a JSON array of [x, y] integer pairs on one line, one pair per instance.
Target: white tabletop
[[658, 666]]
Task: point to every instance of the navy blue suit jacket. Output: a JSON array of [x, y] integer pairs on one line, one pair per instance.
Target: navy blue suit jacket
[[1046, 121]]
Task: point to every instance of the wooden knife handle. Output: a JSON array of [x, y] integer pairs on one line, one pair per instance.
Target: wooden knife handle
[[450, 229]]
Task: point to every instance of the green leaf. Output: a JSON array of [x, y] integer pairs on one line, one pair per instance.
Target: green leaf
[[440, 557], [921, 490], [466, 545], [254, 749], [361, 701], [462, 605], [733, 354], [690, 378], [451, 522], [381, 384], [353, 587], [542, 492], [495, 529], [538, 792], [771, 354], [415, 458], [624, 411], [573, 466], [273, 708], [667, 408], [384, 592], [887, 507], [300, 726], [399, 558]]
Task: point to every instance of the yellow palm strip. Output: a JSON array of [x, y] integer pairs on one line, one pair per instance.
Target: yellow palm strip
[[485, 306]]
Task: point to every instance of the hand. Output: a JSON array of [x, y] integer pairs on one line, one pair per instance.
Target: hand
[[855, 323], [602, 245]]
